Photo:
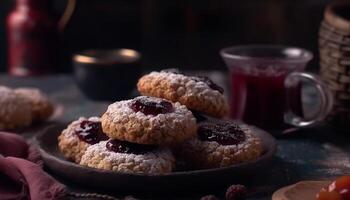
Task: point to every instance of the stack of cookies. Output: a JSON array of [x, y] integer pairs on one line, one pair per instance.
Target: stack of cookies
[[23, 106], [149, 133]]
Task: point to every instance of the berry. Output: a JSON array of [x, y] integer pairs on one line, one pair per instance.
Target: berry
[[340, 183], [342, 186], [345, 193], [327, 195], [209, 197], [236, 192]]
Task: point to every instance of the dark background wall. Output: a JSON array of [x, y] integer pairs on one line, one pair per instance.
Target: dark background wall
[[183, 33]]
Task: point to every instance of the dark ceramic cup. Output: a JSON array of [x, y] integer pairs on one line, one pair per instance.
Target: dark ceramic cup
[[107, 75]]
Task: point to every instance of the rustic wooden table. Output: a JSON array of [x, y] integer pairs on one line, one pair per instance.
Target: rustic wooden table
[[309, 154]]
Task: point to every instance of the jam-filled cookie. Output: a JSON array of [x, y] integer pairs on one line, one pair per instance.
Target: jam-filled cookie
[[79, 135], [221, 144], [41, 106], [128, 157], [15, 111], [148, 120], [197, 93]]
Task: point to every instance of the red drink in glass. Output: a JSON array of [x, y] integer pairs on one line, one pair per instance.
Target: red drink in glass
[[266, 86], [262, 99]]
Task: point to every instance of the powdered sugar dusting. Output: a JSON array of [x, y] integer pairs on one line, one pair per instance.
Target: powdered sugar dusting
[[212, 153], [195, 93], [188, 86], [8, 101], [33, 94], [69, 132], [15, 110], [121, 111], [236, 148], [5, 91], [154, 162]]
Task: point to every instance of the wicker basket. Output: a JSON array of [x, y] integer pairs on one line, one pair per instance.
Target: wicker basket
[[334, 49]]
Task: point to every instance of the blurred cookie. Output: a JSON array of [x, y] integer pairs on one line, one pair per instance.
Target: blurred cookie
[[128, 157], [41, 106], [148, 120], [79, 135], [221, 144], [197, 93], [15, 111]]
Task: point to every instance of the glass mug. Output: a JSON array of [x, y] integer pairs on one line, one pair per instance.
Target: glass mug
[[266, 86]]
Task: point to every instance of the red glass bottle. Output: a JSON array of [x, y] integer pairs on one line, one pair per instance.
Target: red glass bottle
[[32, 36]]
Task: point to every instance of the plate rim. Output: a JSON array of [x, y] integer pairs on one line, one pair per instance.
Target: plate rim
[[268, 155]]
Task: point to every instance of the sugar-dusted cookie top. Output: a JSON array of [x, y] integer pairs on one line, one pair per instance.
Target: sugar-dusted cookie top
[[41, 106], [127, 157], [197, 93], [79, 135], [220, 144], [148, 120]]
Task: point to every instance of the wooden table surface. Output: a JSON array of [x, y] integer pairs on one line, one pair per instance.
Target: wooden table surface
[[310, 154]]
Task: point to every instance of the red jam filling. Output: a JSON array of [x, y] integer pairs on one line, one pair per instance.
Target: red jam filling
[[337, 190], [91, 132], [119, 146], [149, 107], [223, 133]]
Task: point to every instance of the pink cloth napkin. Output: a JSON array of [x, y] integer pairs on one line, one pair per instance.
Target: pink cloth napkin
[[21, 173]]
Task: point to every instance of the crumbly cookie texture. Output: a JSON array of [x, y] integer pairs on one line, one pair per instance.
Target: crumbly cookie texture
[[41, 106], [159, 161], [122, 123], [15, 110], [211, 154], [69, 143], [196, 95]]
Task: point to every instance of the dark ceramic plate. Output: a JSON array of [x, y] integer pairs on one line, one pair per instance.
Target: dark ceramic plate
[[175, 181]]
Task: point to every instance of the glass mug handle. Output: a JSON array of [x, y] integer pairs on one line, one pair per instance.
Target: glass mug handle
[[326, 99]]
